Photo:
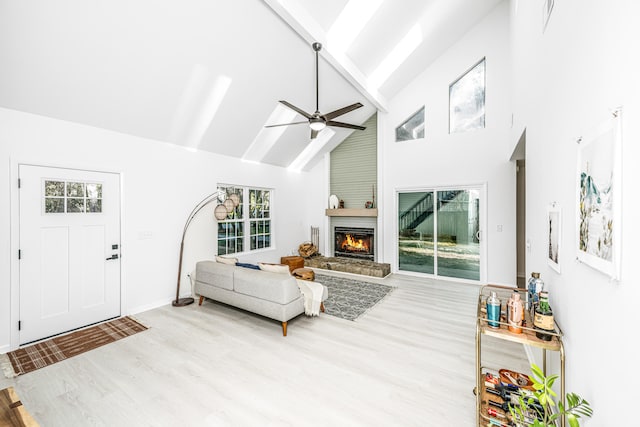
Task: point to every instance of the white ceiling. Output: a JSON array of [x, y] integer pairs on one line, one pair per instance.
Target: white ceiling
[[208, 74]]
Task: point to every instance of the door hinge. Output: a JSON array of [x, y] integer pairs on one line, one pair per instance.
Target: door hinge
[[19, 182], [19, 254], [19, 325]]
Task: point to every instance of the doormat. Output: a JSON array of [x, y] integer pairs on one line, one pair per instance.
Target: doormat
[[57, 349], [349, 298]]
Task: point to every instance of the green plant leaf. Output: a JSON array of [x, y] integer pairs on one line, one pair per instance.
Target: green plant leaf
[[573, 421], [537, 373]]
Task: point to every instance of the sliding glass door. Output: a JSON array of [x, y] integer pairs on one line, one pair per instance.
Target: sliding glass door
[[415, 239], [439, 232]]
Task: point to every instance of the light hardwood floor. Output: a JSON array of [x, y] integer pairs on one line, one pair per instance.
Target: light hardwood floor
[[409, 361]]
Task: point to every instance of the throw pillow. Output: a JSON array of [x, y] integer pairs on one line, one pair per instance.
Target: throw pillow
[[274, 268], [223, 260], [246, 265]]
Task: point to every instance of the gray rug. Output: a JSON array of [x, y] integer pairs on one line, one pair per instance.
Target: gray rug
[[350, 298]]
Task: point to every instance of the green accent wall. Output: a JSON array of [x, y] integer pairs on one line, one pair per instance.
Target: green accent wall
[[354, 165]]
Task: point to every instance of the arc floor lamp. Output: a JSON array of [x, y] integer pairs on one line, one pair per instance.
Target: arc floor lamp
[[225, 205]]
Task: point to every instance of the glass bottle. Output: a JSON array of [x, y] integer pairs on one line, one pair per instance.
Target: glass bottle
[[543, 319], [535, 285]]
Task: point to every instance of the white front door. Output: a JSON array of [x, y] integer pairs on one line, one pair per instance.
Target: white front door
[[69, 249]]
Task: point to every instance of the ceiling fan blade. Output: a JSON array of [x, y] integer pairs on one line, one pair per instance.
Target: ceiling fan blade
[[287, 124], [344, 125], [314, 133], [341, 111], [296, 109]]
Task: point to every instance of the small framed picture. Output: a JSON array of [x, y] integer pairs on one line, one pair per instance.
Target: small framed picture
[[554, 230]]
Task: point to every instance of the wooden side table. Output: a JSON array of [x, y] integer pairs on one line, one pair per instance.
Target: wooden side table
[[293, 262], [12, 413]]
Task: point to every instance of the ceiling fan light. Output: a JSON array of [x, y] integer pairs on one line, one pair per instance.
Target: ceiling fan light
[[317, 125]]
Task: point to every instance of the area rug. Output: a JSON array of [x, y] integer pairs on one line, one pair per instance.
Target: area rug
[[349, 298], [57, 349]]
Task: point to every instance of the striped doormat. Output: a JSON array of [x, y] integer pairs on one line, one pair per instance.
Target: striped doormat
[[62, 347]]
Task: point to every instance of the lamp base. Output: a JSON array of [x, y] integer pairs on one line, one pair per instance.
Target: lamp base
[[181, 302]]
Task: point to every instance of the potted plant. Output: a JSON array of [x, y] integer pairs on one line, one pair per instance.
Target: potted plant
[[576, 407]]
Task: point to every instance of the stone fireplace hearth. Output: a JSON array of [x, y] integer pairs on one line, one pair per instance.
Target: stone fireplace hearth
[[349, 265]]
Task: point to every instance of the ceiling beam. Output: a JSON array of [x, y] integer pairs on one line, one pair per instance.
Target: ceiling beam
[[308, 28]]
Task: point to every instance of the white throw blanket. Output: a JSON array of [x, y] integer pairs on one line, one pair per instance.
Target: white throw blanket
[[312, 293]]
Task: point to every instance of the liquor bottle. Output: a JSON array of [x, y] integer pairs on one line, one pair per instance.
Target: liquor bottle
[[493, 310], [543, 319], [535, 285], [516, 313]]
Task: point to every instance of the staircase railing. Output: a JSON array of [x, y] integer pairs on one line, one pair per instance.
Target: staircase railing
[[420, 210]]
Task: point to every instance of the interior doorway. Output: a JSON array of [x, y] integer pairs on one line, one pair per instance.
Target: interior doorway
[[519, 156], [69, 229]]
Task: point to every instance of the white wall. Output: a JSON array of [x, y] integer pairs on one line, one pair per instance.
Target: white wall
[[161, 184], [565, 81], [475, 157]]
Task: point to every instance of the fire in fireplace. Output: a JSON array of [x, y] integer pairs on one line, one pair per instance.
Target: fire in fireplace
[[351, 242]]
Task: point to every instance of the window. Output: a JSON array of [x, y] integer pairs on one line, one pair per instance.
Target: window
[[466, 100], [232, 236], [72, 197], [259, 219], [412, 128]]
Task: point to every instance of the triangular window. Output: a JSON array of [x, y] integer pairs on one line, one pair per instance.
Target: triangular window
[[412, 128]]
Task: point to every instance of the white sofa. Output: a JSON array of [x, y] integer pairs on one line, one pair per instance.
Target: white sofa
[[273, 295]]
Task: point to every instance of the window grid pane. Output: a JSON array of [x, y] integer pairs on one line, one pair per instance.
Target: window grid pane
[[72, 197], [231, 235], [259, 201]]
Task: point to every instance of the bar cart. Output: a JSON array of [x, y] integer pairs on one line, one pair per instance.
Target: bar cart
[[527, 337]]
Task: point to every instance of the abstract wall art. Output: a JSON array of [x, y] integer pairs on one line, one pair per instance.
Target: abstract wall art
[[599, 197]]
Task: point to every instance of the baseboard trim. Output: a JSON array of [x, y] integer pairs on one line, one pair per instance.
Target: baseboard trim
[[150, 306], [5, 349]]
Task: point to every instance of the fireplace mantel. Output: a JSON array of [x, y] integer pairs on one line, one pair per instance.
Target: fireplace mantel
[[373, 212]]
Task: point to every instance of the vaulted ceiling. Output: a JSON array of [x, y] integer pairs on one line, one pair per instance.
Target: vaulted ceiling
[[208, 74]]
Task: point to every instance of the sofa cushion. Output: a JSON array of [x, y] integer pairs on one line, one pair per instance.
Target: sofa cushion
[[275, 287], [215, 274], [224, 260], [247, 265], [275, 268]]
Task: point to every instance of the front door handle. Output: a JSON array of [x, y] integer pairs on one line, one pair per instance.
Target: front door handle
[[114, 256]]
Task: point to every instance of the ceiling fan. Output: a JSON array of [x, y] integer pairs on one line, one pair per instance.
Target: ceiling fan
[[318, 121]]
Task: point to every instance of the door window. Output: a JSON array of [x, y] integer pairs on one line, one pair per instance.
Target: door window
[[72, 197]]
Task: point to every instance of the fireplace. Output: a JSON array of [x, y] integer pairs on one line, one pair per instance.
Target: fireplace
[[352, 242]]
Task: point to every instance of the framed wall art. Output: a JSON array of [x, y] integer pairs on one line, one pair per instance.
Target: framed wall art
[[599, 216], [554, 232]]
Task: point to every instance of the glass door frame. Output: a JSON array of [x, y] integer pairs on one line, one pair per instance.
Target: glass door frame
[[482, 188]]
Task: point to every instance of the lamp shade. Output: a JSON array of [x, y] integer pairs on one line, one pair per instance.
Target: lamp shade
[[229, 205], [317, 124], [220, 212]]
